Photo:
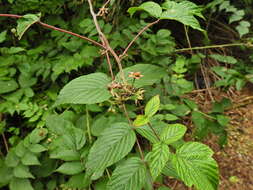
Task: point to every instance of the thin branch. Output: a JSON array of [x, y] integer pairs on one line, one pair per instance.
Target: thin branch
[[214, 46], [58, 29], [187, 38], [105, 41], [136, 37]]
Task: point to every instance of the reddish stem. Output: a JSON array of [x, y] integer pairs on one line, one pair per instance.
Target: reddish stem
[[57, 29]]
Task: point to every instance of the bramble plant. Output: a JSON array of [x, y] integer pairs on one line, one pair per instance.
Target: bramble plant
[[115, 130]]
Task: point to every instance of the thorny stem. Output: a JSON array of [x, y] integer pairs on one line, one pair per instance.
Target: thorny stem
[[58, 29], [105, 41], [136, 37], [214, 46]]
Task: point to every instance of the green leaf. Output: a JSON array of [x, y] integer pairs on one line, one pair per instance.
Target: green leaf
[[37, 135], [152, 106], [88, 89], [224, 59], [77, 181], [36, 148], [70, 168], [158, 158], [140, 120], [3, 36], [131, 174], [151, 7], [8, 86], [30, 159], [65, 154], [11, 159], [186, 17], [195, 166], [170, 117], [200, 123], [20, 184], [113, 145], [173, 133], [148, 133], [243, 28], [25, 22], [22, 171], [223, 120], [151, 74]]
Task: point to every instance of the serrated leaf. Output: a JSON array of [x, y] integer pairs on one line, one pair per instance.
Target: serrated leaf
[[152, 106], [22, 171], [87, 89], [186, 17], [150, 7], [8, 86], [158, 158], [25, 22], [20, 184], [113, 144], [151, 74], [3, 36], [140, 120], [195, 166], [70, 168], [173, 133], [131, 174]]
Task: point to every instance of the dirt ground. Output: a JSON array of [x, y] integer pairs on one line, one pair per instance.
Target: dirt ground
[[236, 159]]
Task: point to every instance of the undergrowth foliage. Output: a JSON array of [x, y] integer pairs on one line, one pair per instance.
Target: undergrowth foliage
[[92, 98]]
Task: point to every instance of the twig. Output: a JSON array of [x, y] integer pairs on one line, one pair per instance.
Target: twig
[[57, 29], [187, 38], [214, 46], [105, 41], [136, 37]]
